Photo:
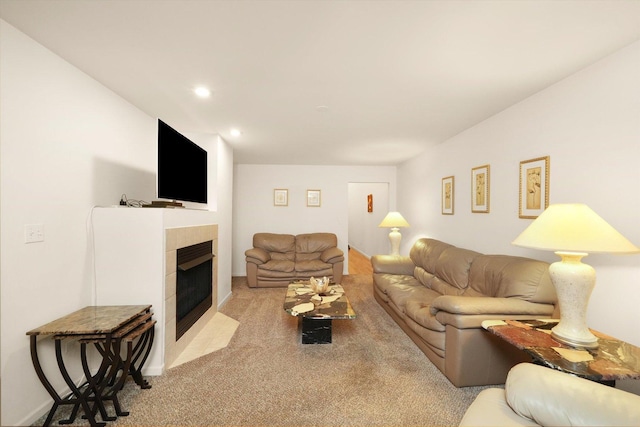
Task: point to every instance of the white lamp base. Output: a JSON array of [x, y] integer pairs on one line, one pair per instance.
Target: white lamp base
[[574, 282], [394, 238]]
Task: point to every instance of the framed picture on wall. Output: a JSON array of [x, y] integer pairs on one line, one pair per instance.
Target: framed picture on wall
[[313, 198], [370, 203], [280, 197], [534, 187], [447, 195], [480, 189]]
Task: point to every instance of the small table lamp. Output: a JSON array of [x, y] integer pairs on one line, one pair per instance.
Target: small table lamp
[[394, 220], [571, 231]]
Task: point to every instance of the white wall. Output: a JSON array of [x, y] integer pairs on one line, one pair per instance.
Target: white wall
[[67, 144], [254, 211], [589, 124], [224, 214]]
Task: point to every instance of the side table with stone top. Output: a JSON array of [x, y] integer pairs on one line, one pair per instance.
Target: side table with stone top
[[612, 360]]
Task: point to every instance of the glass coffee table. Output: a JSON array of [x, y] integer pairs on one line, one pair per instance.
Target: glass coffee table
[[315, 312]]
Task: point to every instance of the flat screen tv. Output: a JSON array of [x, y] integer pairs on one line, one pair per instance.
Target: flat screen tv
[[182, 167]]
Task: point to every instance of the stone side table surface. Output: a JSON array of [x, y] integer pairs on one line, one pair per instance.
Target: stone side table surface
[[612, 360], [91, 320]]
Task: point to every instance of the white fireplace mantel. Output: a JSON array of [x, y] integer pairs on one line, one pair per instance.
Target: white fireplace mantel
[[135, 250]]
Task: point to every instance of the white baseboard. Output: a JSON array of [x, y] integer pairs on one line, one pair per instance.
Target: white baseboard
[[224, 300]]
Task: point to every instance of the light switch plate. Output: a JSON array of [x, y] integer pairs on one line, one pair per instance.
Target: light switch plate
[[33, 233]]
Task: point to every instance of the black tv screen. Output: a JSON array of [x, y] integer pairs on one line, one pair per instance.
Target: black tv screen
[[182, 167]]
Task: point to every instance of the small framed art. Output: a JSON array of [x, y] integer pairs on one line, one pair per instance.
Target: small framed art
[[313, 198], [280, 197], [447, 195], [370, 203], [480, 189], [534, 187]]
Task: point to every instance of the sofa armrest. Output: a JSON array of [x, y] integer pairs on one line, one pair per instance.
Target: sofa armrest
[[469, 312], [490, 409], [392, 264], [553, 398], [332, 255], [257, 255]]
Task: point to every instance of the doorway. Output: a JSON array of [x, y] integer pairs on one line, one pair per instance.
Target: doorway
[[368, 205]]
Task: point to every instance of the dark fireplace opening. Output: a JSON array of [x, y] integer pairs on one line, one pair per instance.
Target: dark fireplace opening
[[194, 290]]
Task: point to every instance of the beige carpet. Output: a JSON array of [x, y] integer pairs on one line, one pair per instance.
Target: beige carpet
[[371, 375]]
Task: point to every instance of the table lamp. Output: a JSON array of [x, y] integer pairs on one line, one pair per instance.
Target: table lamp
[[571, 231], [395, 221]]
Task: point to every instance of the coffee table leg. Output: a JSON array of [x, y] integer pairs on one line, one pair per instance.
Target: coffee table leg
[[316, 331]]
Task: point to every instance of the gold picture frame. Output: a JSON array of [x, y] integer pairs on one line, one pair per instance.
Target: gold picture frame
[[480, 186], [534, 187], [448, 190], [280, 197], [313, 198]]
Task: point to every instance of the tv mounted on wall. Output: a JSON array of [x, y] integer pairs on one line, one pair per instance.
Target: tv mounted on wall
[[182, 167]]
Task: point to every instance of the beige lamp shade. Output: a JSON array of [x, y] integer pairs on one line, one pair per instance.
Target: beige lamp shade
[[394, 220], [574, 228]]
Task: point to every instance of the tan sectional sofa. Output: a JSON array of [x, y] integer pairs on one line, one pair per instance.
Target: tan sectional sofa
[[278, 259], [440, 295]]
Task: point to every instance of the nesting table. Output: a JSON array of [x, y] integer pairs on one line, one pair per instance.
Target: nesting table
[[113, 330], [315, 312]]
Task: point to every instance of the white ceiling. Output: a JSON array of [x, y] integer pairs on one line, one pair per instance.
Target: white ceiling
[[395, 76]]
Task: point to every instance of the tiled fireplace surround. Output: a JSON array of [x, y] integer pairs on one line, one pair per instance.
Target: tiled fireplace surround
[[177, 238]]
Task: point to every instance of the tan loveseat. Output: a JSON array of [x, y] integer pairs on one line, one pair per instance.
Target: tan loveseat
[[440, 295], [278, 259], [539, 396]]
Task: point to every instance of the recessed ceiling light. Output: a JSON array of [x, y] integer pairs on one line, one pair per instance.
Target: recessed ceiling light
[[202, 92], [235, 133], [322, 108]]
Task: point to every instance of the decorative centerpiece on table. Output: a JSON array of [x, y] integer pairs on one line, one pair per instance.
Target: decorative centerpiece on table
[[319, 286]]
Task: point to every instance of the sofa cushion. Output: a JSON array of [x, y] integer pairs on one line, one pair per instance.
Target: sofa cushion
[[505, 276], [314, 242], [401, 292], [418, 310], [425, 253], [312, 265], [384, 281], [453, 266], [423, 276], [285, 243], [435, 340], [277, 265]]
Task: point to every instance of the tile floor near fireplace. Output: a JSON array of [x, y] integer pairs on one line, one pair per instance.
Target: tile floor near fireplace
[[214, 336]]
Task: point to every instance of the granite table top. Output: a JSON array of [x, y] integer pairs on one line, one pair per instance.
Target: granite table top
[[612, 360], [92, 320], [301, 301]]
